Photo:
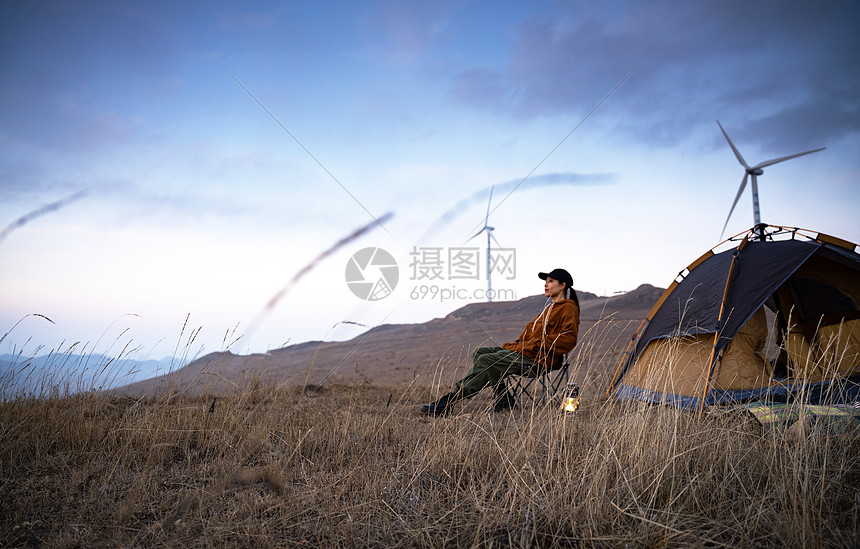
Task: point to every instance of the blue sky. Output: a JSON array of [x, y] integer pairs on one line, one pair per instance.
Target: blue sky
[[200, 205]]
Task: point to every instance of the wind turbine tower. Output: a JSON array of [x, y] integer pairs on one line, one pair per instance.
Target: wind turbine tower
[[753, 171], [489, 230]]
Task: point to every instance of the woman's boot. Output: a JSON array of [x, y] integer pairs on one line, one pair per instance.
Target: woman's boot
[[441, 406]]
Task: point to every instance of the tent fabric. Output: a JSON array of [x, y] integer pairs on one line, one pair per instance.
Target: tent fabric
[[690, 354], [742, 365], [694, 306], [673, 366], [815, 298], [837, 346], [829, 266], [800, 356], [677, 366]]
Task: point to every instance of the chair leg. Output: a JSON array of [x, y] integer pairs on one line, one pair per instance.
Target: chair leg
[[514, 386], [502, 398], [550, 384], [546, 387], [524, 385]]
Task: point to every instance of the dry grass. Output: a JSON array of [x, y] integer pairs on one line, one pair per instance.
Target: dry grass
[[358, 466]]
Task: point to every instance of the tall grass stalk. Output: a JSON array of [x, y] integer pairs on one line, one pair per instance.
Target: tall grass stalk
[[359, 466], [278, 466]]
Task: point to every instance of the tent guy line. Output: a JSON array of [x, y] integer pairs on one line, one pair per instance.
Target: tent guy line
[[300, 144]]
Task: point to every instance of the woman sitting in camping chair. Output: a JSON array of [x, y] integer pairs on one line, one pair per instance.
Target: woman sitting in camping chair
[[541, 346]]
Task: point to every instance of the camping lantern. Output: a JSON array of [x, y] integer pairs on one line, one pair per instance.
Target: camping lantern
[[570, 398]]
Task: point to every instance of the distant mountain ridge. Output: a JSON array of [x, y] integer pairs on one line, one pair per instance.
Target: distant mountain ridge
[[526, 305], [431, 352]]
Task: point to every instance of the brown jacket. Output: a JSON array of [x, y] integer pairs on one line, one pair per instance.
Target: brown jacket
[[550, 335]]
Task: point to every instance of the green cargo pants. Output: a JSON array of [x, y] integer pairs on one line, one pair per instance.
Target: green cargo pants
[[491, 365]]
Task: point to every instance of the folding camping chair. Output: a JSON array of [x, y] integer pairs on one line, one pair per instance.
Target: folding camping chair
[[538, 384]]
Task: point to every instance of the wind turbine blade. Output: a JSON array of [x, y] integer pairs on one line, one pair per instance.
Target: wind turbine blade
[[767, 163], [732, 145], [490, 201], [735, 203], [494, 240], [477, 233]]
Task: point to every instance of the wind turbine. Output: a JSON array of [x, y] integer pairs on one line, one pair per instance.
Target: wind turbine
[[754, 171], [489, 230]]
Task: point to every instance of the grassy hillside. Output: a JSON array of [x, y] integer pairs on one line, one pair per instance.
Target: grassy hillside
[[354, 464], [358, 466], [399, 353]]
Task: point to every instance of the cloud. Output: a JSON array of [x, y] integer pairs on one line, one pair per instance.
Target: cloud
[[404, 31], [781, 64], [817, 122], [246, 20], [482, 86]]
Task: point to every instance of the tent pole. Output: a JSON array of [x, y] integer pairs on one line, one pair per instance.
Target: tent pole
[[720, 324], [624, 357]]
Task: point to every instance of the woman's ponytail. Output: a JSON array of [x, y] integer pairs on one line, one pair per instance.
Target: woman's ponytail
[[570, 293]]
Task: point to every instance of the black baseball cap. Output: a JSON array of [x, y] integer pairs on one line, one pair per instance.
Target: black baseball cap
[[558, 274]]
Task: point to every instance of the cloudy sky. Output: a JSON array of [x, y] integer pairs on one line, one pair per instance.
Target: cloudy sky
[[164, 161]]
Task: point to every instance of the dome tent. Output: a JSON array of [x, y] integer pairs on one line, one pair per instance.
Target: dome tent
[[701, 343]]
